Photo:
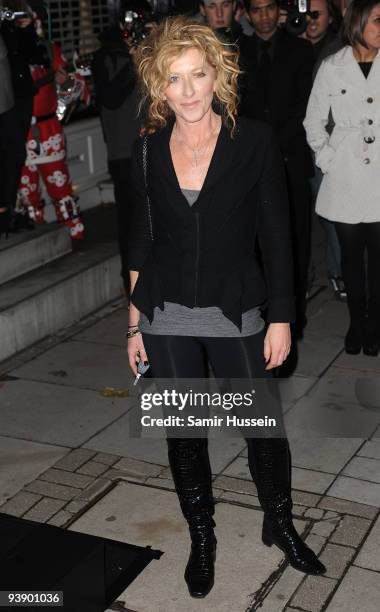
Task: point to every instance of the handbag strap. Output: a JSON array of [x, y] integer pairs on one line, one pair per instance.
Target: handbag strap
[[145, 167]]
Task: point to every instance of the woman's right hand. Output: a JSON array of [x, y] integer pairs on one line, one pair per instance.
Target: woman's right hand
[[136, 352]]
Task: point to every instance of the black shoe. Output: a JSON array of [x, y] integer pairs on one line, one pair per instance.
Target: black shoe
[[353, 341], [190, 467], [281, 532], [272, 466], [199, 572], [4, 222]]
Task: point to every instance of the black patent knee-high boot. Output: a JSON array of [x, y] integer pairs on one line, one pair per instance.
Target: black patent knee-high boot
[[191, 471], [272, 469]]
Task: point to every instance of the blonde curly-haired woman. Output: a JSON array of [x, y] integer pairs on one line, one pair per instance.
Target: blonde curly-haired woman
[[214, 184]]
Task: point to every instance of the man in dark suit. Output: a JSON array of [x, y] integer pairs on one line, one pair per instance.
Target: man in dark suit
[[275, 89]]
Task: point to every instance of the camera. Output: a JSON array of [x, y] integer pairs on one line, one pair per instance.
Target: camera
[[135, 28], [8, 15], [296, 11], [137, 15]]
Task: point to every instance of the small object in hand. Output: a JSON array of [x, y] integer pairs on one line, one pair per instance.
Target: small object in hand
[[142, 368]]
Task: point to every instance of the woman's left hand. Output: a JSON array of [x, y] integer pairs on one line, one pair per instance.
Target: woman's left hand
[[277, 344]]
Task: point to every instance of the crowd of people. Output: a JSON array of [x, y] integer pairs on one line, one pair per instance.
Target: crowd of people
[[279, 64], [287, 81]]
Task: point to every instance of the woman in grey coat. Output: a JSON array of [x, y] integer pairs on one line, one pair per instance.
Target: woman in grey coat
[[348, 84]]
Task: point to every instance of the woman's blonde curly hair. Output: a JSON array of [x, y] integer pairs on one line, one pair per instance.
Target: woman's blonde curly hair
[[164, 44]]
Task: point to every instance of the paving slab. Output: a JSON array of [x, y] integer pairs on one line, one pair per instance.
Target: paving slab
[[370, 449], [334, 505], [223, 451], [313, 593], [143, 516], [328, 317], [240, 485], [325, 528], [56, 414], [351, 531], [359, 590], [44, 510], [21, 461], [368, 556], [75, 459], [358, 362], [20, 503], [115, 439], [238, 469], [304, 480], [363, 468], [291, 389], [288, 582], [360, 491], [232, 496], [315, 354], [110, 330], [337, 372], [86, 365], [310, 480], [336, 558], [323, 454], [353, 389], [330, 418]]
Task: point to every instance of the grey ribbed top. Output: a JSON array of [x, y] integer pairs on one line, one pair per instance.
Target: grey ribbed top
[[179, 320]]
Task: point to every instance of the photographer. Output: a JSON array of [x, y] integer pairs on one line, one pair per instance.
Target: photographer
[[20, 40], [323, 23], [117, 97], [275, 89]]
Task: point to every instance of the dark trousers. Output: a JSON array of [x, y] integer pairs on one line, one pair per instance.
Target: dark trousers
[[363, 288], [14, 127], [300, 216], [187, 357], [119, 170]]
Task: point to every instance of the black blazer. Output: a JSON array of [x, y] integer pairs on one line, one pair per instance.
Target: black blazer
[[290, 86], [204, 255]]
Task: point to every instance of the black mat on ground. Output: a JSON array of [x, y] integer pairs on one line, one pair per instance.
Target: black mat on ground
[[91, 571]]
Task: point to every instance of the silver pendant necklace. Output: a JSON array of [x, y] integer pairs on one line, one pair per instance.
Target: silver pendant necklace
[[197, 154]]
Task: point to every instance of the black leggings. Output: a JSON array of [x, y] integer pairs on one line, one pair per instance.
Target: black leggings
[[355, 239], [187, 357]]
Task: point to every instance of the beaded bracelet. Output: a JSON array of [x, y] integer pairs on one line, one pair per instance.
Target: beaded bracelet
[[132, 332]]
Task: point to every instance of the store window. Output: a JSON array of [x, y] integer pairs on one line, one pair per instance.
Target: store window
[[76, 23]]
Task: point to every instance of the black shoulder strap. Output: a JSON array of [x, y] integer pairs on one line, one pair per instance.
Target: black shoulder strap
[[145, 167]]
